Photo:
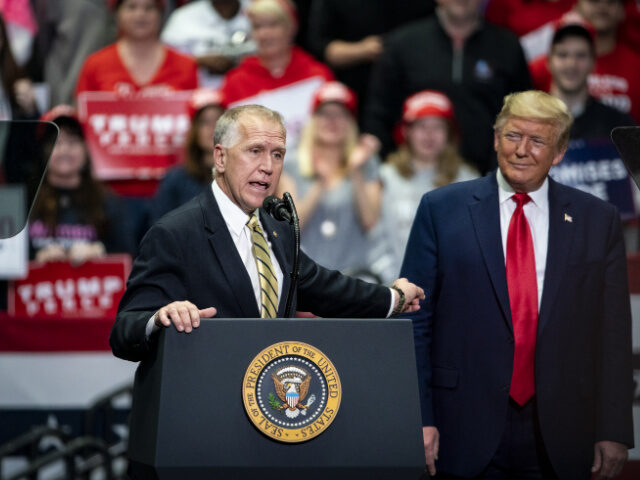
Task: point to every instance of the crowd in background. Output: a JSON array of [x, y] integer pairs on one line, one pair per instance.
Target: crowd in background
[[383, 101]]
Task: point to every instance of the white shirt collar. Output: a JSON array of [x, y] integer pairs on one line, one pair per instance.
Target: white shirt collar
[[233, 215], [539, 197]]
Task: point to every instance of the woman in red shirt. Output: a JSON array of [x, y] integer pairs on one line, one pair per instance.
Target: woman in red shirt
[[280, 76], [137, 64], [138, 61]]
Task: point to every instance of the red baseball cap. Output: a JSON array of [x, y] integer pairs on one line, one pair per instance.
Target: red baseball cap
[[425, 104], [572, 23], [64, 116], [335, 92], [204, 97], [60, 111]]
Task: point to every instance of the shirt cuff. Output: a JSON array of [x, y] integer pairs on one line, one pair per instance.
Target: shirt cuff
[[151, 327], [394, 295]]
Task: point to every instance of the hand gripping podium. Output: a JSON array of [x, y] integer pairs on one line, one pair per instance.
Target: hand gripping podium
[[189, 420]]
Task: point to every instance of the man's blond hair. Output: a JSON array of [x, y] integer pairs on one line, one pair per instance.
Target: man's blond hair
[[271, 8], [540, 106]]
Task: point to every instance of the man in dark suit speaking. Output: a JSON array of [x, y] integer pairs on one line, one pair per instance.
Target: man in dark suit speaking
[[524, 341], [221, 254]]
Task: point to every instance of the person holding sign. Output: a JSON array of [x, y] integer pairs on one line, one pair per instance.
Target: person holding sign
[[137, 65]]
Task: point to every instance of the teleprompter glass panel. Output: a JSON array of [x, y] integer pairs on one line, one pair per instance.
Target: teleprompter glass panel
[[25, 148], [627, 142]]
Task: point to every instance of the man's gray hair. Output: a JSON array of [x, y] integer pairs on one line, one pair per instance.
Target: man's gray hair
[[226, 132]]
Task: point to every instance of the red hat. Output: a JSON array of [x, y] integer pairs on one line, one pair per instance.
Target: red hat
[[335, 92], [60, 111], [573, 23], [64, 116], [427, 103], [204, 97]]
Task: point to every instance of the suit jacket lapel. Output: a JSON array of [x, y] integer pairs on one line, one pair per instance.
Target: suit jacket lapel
[[485, 214], [561, 231], [227, 255], [277, 231]]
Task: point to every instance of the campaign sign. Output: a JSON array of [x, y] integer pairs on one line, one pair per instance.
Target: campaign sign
[[62, 290], [135, 137], [595, 166], [293, 101]]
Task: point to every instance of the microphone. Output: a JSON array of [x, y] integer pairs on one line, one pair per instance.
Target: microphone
[[277, 208]]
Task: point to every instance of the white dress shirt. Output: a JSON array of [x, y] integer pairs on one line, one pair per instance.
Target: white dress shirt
[[236, 221], [537, 213]]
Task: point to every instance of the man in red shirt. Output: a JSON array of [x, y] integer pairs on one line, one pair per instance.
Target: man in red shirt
[[614, 80]]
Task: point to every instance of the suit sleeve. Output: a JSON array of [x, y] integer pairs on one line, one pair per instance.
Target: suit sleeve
[[614, 420], [420, 266], [157, 278], [329, 293]]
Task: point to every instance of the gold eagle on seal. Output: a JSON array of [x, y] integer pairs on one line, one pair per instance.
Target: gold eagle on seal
[[292, 386]]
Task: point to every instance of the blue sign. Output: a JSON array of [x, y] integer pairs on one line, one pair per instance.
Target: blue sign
[[595, 166]]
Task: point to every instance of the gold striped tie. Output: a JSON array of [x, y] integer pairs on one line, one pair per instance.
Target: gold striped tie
[[266, 275]]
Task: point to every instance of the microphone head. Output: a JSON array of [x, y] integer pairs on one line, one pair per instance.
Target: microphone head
[[270, 203], [276, 208]]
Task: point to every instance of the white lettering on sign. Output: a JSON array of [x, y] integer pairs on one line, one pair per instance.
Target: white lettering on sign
[[607, 83], [574, 173], [159, 130], [70, 295], [619, 102]]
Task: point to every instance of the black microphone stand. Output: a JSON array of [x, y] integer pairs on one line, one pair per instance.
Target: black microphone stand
[[295, 224]]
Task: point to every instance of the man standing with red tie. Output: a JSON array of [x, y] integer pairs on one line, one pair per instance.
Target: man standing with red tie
[[523, 342]]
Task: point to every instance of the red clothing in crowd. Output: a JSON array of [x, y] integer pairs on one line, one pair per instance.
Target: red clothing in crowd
[[290, 93], [523, 16], [629, 32], [540, 74], [251, 77], [614, 81], [104, 71]]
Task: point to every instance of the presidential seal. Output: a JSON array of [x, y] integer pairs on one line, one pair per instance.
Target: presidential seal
[[291, 391]]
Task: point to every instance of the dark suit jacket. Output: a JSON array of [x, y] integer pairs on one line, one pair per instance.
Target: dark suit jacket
[[190, 255], [464, 336]]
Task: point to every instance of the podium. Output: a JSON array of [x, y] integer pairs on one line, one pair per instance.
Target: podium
[[188, 418]]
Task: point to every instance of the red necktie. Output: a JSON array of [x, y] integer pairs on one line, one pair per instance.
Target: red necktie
[[523, 298]]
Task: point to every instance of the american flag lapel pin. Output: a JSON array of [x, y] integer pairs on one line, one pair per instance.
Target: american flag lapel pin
[[568, 218]]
